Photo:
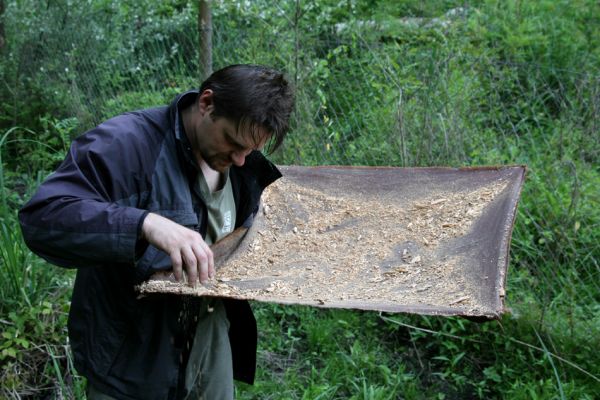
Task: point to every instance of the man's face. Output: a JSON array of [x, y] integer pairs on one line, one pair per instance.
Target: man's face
[[218, 141]]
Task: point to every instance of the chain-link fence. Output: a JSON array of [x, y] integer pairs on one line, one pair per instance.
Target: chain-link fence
[[415, 94]]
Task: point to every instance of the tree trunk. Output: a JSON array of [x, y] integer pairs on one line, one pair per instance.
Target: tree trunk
[[2, 37], [205, 36]]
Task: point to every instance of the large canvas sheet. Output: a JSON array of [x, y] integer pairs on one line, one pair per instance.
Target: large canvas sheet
[[420, 240]]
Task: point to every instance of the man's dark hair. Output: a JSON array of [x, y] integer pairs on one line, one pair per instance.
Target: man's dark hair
[[253, 96]]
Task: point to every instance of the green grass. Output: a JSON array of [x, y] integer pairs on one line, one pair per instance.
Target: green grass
[[34, 308], [512, 82], [34, 303], [338, 354], [34, 353]]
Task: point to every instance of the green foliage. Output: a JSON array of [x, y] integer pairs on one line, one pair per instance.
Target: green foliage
[[347, 354], [404, 83], [33, 296], [34, 306], [59, 65], [32, 350], [323, 354]]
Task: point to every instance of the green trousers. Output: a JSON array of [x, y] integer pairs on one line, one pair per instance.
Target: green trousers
[[209, 373]]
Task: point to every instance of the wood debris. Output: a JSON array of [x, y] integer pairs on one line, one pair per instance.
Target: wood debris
[[324, 249]]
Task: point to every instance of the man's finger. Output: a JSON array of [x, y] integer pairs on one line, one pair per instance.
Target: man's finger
[[176, 261], [211, 263], [191, 265], [203, 252], [202, 257]]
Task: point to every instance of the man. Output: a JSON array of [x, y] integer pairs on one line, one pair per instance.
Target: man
[[150, 190]]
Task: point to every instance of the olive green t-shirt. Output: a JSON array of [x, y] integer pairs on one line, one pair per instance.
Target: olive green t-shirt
[[221, 209]]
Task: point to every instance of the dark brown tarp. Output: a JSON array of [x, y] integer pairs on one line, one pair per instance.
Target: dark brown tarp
[[419, 240]]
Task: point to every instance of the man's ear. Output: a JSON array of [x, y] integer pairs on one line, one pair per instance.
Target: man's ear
[[205, 101]]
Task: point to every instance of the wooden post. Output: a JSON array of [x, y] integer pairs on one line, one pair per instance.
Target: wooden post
[[2, 37], [205, 37]]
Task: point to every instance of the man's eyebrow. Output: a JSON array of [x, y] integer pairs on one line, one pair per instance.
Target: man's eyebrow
[[233, 141]]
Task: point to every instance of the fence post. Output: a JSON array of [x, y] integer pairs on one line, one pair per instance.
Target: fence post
[[2, 36], [205, 38]]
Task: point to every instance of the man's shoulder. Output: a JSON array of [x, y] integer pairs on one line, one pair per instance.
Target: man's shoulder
[[138, 133], [146, 123], [156, 117]]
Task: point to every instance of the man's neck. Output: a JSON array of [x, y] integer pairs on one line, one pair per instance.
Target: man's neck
[[214, 179]]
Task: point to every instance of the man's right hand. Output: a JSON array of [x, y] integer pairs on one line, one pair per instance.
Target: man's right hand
[[183, 245]]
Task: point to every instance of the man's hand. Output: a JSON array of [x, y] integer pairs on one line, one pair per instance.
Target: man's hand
[[183, 245]]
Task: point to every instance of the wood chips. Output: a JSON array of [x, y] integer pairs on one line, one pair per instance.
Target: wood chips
[[391, 248]]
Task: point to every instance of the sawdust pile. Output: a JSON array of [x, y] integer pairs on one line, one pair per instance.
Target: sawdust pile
[[318, 248]]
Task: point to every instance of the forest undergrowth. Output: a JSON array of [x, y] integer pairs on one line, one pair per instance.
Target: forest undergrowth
[[401, 83]]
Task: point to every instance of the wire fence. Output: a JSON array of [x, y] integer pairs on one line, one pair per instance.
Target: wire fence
[[367, 97]]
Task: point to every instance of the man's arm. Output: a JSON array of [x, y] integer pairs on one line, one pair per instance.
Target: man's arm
[[85, 213], [89, 212]]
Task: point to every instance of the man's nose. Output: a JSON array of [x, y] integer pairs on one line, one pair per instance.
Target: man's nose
[[238, 158]]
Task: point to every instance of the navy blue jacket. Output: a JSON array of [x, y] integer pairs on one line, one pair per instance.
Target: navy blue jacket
[[88, 215]]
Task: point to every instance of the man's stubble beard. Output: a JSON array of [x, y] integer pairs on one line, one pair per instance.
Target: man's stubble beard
[[218, 163]]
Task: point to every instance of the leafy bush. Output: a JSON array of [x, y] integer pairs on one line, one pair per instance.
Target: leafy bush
[[404, 83]]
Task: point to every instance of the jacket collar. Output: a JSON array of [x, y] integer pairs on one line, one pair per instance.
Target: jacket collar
[[180, 102]]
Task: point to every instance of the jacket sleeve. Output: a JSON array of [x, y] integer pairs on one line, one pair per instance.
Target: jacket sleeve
[[89, 212]]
